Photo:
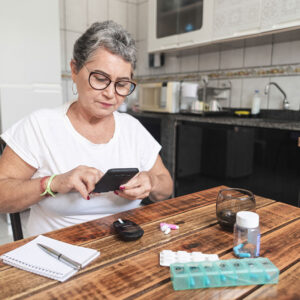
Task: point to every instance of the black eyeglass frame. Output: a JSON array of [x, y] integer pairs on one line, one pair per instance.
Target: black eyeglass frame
[[109, 82]]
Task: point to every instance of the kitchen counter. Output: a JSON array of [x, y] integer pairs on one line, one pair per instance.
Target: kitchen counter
[[263, 122], [167, 130]]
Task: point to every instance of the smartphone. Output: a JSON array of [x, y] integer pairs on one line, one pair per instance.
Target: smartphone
[[113, 178]]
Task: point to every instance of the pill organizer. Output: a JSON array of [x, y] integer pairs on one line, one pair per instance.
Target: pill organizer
[[168, 257], [222, 273]]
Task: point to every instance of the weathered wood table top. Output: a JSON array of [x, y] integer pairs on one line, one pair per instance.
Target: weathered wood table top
[[131, 270]]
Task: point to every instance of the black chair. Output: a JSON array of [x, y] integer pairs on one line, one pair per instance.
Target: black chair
[[16, 226]]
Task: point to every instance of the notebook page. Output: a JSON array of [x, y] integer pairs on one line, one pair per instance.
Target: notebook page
[[32, 258]]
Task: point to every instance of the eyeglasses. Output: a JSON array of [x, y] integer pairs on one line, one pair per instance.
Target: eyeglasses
[[99, 81]]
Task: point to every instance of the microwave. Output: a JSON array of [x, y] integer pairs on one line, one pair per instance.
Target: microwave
[[159, 96]]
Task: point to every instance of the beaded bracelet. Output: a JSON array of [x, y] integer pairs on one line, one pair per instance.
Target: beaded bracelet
[[48, 189]]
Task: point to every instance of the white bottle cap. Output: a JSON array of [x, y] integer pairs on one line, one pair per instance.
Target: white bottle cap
[[247, 219]]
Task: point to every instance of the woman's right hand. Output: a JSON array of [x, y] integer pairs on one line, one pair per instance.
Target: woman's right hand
[[81, 179]]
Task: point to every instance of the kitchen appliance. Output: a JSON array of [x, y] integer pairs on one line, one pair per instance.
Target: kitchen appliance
[[213, 95], [189, 97], [159, 96], [214, 105]]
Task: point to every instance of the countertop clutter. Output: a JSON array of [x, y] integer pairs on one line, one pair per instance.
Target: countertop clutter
[[132, 270]]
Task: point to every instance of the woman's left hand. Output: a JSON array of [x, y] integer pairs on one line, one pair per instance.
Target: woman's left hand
[[139, 187], [156, 184]]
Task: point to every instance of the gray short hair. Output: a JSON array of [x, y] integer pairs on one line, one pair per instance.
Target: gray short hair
[[108, 35]]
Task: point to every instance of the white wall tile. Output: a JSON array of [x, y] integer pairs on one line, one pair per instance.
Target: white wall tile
[[76, 15], [117, 11], [286, 53], [232, 58], [63, 50], [225, 83], [189, 63], [97, 11], [290, 85], [172, 63], [249, 87], [64, 85], [70, 41], [236, 93], [142, 59], [157, 71], [209, 61], [62, 14], [132, 19], [258, 55], [142, 12]]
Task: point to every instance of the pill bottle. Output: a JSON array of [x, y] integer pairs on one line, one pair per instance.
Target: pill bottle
[[246, 233]]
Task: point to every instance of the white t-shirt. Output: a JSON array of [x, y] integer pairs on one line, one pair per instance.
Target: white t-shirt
[[47, 141]]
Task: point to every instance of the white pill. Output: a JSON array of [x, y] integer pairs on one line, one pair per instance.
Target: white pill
[[167, 231], [164, 228]]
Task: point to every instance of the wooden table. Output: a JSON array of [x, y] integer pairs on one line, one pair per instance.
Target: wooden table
[[131, 270]]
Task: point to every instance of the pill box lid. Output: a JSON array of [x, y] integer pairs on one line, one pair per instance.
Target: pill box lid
[[247, 219]]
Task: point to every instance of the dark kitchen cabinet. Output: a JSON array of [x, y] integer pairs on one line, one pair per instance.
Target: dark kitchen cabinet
[[265, 161], [227, 152], [153, 125], [189, 151], [163, 128]]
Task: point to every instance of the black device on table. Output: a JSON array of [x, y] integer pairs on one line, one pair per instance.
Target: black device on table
[[128, 230], [113, 178]]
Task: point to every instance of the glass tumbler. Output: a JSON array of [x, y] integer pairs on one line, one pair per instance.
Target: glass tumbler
[[229, 202]]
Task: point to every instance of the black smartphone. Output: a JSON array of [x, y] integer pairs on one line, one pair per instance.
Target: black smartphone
[[113, 178]]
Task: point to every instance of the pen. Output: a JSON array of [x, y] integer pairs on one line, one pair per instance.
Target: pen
[[64, 259]]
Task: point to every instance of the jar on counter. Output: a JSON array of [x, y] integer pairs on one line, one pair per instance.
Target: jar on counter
[[246, 242]]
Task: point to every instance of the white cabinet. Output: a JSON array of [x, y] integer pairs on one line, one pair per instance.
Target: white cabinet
[[179, 23], [235, 18], [238, 18], [204, 33], [176, 24], [278, 14]]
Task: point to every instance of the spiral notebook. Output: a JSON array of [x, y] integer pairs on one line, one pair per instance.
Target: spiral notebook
[[32, 258]]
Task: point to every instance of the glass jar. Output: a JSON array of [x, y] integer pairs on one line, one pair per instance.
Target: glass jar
[[246, 241], [229, 202]]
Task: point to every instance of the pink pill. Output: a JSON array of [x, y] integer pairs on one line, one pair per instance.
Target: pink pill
[[173, 226]]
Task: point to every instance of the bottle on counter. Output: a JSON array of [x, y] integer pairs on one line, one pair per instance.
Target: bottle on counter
[[256, 103], [246, 233]]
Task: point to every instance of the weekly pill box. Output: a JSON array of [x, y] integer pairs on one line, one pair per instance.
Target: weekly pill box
[[222, 273]]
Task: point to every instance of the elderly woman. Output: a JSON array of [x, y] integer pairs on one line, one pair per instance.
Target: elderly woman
[[54, 157]]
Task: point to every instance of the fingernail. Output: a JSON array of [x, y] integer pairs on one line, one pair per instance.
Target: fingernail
[[122, 188], [116, 192], [88, 198]]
